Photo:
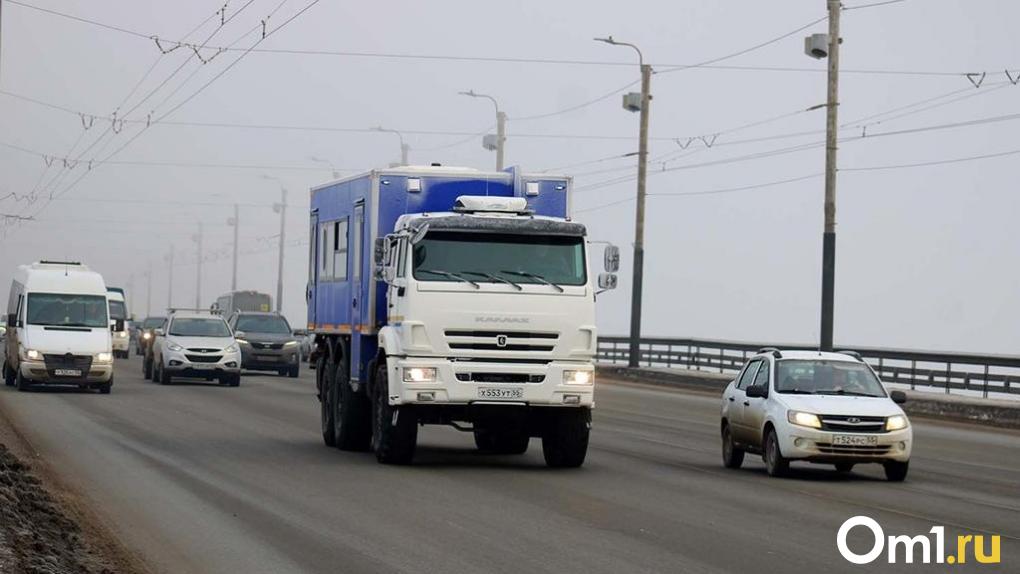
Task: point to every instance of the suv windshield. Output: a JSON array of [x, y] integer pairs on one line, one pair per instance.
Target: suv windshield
[[497, 258], [199, 327], [820, 377], [118, 310], [263, 324], [67, 310], [152, 322]]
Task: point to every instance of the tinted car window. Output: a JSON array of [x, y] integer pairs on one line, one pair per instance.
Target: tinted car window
[[262, 324]]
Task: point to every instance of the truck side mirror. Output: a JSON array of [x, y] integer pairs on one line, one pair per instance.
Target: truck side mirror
[[612, 258], [379, 253], [607, 281]]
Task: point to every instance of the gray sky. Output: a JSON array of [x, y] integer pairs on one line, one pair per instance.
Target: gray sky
[[926, 257]]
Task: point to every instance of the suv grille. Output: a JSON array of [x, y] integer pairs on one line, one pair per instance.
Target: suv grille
[[274, 346], [849, 423], [203, 350], [501, 340], [204, 358]]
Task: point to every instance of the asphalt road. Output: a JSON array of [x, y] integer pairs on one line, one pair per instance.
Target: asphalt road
[[198, 478]]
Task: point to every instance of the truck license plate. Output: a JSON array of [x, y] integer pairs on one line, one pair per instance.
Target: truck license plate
[[854, 440], [500, 393], [67, 372]]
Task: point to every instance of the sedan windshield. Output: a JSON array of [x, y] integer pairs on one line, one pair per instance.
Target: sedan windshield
[[273, 324], [500, 258], [820, 377], [67, 310], [198, 327]]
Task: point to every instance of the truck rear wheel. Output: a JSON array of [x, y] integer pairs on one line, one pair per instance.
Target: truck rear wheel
[[394, 429], [324, 383], [565, 440], [352, 414], [501, 442]]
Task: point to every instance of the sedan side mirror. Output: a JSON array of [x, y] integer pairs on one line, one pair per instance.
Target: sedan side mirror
[[159, 332], [756, 392], [898, 397], [240, 334]]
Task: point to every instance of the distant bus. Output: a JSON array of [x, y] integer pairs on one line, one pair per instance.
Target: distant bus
[[243, 301]]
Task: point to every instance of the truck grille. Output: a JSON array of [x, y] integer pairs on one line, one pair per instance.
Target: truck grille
[[500, 378], [849, 423], [68, 361], [204, 358], [528, 341]]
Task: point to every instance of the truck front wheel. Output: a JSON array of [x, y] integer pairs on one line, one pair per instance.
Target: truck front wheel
[[565, 440], [394, 429], [501, 442]]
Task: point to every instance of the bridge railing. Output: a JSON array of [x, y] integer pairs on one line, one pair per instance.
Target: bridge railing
[[950, 372]]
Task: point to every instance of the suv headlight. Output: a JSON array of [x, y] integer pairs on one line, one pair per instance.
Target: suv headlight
[[232, 349], [174, 347], [104, 357], [896, 422], [804, 419], [584, 377], [419, 374], [291, 344]]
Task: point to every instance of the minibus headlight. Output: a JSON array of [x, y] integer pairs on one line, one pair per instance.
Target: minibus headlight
[[33, 354], [104, 357]]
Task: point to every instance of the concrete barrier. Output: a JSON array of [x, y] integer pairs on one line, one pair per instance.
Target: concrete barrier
[[1004, 414]]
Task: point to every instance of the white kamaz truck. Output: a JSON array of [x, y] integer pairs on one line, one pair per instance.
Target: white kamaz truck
[[456, 297]]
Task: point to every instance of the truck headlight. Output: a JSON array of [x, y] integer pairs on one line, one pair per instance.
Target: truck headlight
[[33, 354], [804, 419], [419, 374], [578, 377], [104, 357], [174, 347], [896, 422]]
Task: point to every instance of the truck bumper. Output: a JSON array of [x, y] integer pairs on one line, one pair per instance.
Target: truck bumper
[[479, 382]]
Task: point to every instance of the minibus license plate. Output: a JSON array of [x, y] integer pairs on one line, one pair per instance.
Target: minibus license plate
[[505, 393], [67, 372], [854, 440]]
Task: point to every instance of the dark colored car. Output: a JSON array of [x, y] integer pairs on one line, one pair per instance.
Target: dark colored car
[[267, 342], [145, 333]]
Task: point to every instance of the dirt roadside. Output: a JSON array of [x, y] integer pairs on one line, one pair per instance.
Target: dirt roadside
[[45, 525]]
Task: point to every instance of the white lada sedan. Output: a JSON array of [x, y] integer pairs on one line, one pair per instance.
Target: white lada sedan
[[826, 408]]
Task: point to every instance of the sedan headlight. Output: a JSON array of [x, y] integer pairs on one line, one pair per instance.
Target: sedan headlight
[[104, 357], [291, 344], [419, 374], [232, 349], [174, 347], [578, 377], [804, 419], [896, 422], [33, 354]]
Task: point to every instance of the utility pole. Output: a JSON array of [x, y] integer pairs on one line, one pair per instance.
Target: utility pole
[[831, 129], [500, 142], [170, 283], [639, 224], [281, 208], [234, 222], [198, 274], [148, 291], [404, 147]]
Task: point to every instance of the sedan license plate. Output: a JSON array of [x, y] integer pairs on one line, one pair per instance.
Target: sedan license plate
[[854, 440], [501, 393], [67, 372]]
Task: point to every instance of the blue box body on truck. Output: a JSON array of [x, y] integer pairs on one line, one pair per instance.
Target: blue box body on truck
[[344, 298]]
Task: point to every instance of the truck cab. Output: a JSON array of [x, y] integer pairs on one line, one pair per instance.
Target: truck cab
[[475, 311]]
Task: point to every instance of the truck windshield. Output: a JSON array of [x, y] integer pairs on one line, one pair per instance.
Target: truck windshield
[[197, 327], [495, 258], [118, 310], [819, 377], [263, 324], [67, 310]]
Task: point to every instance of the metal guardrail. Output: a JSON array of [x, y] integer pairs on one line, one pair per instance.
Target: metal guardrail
[[950, 371]]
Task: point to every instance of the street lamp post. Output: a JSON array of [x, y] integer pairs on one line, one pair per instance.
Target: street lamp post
[[336, 172], [639, 226], [235, 223], [280, 208], [198, 275], [404, 148], [500, 126]]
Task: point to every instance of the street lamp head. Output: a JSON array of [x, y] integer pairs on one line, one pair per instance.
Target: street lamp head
[[468, 93], [607, 40]]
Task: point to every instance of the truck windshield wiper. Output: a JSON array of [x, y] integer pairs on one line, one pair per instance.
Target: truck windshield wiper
[[494, 278], [534, 276], [451, 275]]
